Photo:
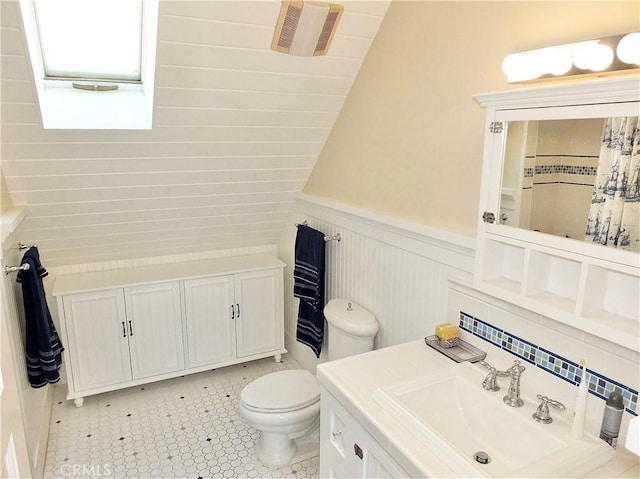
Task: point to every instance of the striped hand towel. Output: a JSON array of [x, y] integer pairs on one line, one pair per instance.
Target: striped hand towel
[[42, 345], [308, 286]]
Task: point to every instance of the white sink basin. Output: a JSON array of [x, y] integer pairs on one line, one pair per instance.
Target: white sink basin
[[453, 415]]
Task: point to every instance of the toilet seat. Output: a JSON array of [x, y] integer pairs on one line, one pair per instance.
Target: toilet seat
[[282, 391]]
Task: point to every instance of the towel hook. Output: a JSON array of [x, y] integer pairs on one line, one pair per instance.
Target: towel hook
[[26, 246]]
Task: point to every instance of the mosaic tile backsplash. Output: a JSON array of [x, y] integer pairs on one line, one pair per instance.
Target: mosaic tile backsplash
[[599, 385]]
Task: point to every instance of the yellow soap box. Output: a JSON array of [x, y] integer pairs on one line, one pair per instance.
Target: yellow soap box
[[447, 335]]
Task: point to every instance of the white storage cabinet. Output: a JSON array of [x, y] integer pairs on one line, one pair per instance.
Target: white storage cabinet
[[252, 301], [133, 326], [347, 450]]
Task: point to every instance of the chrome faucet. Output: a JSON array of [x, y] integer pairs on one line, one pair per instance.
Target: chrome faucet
[[490, 383], [513, 398]]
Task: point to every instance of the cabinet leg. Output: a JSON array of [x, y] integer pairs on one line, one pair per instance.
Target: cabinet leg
[[278, 358], [78, 402]]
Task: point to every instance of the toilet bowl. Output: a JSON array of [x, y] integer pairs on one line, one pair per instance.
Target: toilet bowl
[[283, 406]]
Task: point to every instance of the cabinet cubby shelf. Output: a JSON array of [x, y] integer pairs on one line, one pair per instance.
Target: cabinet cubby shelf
[[550, 284]]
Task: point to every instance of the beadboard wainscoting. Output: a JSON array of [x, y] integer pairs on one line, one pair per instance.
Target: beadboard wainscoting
[[395, 269]]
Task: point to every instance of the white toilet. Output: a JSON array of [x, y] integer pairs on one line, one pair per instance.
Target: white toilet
[[285, 405]]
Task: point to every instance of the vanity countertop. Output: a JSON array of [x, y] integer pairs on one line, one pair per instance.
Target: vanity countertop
[[353, 380]]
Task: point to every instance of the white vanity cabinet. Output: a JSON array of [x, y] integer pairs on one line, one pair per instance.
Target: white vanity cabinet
[[128, 327], [347, 450]]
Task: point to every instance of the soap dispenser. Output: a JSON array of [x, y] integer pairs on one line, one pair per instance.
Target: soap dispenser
[[612, 418]]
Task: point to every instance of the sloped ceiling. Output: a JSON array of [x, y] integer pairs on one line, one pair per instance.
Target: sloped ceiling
[[237, 130]]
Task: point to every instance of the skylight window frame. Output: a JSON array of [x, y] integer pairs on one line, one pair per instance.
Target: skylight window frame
[[71, 75], [62, 106]]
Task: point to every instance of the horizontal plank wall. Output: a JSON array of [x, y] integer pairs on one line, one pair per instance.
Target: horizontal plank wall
[[237, 129], [395, 269]]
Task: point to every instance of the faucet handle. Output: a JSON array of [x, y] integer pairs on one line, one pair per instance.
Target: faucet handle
[[490, 383], [542, 413], [492, 369], [485, 365]]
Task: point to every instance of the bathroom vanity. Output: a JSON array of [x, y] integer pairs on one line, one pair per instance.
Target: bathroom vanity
[[364, 435], [409, 411], [128, 327]]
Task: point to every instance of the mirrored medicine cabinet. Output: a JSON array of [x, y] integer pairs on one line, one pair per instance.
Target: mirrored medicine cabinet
[[536, 244]]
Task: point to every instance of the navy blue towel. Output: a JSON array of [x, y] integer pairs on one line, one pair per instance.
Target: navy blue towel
[[43, 347], [308, 285]]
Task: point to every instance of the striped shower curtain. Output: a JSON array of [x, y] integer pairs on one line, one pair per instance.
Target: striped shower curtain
[[615, 203]]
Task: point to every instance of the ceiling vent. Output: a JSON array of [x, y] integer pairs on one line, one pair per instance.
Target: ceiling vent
[[306, 28]]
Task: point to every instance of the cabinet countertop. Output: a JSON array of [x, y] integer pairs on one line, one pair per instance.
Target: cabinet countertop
[[118, 278], [353, 380]]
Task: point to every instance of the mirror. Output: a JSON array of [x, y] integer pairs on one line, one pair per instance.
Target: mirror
[[548, 176]]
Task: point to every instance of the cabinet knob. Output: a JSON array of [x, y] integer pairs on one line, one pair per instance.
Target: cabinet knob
[[336, 434]]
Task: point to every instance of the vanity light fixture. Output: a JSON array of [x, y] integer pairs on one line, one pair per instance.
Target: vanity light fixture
[[604, 55]]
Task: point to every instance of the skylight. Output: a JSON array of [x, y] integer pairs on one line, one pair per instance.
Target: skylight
[[93, 61], [78, 38]]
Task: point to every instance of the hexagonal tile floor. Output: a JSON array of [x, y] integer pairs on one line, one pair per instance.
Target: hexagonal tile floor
[[186, 427]]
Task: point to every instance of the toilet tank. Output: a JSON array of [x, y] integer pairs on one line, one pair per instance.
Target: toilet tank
[[351, 329]]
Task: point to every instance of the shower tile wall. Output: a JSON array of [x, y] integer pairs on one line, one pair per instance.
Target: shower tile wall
[[564, 163]]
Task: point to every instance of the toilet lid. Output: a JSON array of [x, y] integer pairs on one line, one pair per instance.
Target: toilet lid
[[283, 390]]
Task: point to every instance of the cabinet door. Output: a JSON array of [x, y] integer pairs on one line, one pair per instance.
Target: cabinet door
[[210, 320], [259, 312], [154, 325], [347, 450], [98, 340]]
